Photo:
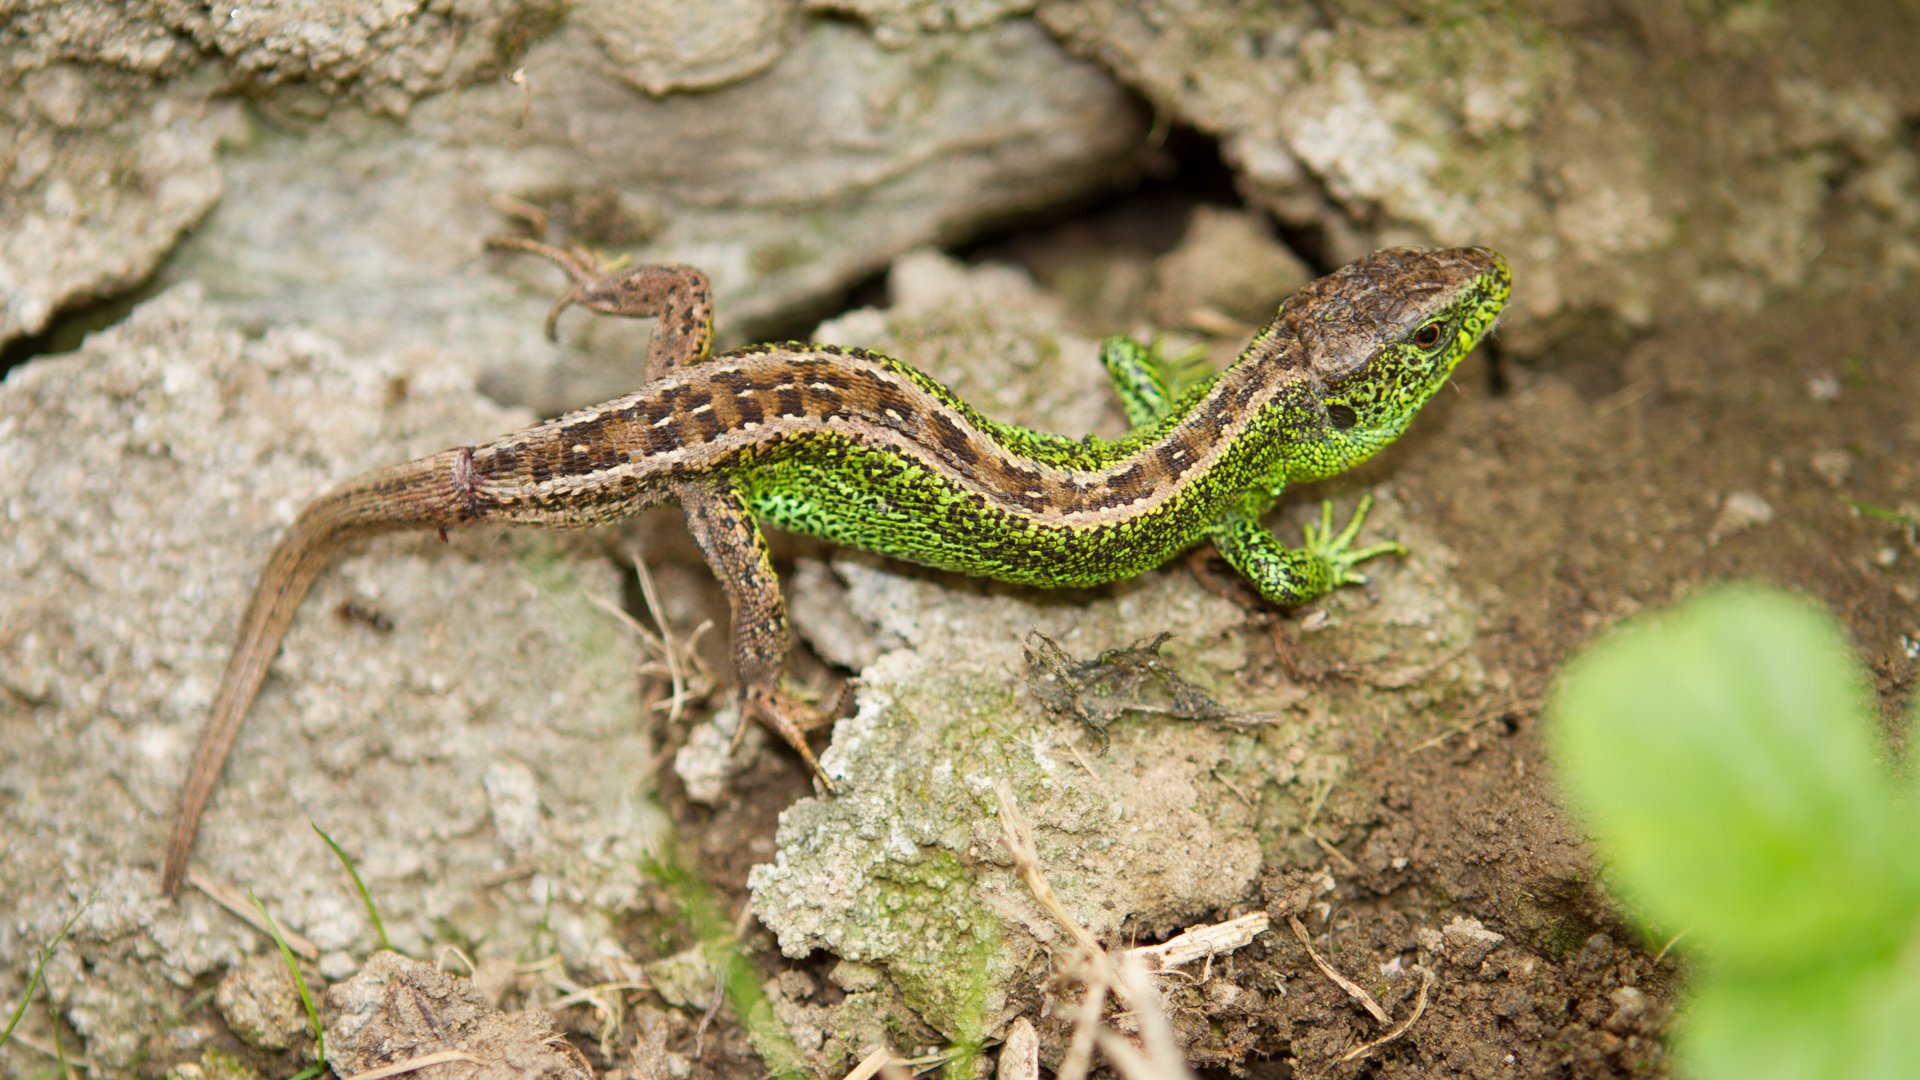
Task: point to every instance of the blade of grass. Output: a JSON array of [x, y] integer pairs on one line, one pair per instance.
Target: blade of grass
[[59, 1045], [299, 982], [1881, 513], [359, 885], [713, 928], [532, 948], [39, 967]]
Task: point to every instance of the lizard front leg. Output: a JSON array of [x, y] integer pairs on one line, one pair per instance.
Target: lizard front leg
[[1290, 577]]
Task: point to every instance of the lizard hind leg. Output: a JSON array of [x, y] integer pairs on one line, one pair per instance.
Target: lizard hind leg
[[736, 550], [1148, 382], [679, 297]]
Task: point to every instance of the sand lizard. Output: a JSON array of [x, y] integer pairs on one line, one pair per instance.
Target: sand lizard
[[866, 451]]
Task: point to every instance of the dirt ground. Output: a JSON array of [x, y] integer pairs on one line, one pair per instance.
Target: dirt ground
[[1580, 485]]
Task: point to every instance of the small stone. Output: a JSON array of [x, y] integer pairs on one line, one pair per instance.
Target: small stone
[[1229, 261], [1468, 942], [684, 979], [1823, 388], [213, 1065], [1833, 466], [397, 1004], [1629, 1005], [706, 760], [1221, 995], [259, 1001], [854, 977], [1741, 511], [1020, 1053]]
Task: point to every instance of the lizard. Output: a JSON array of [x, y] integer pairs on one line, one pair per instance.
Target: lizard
[[865, 450]]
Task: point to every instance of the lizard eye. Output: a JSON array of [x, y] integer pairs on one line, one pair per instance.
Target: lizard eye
[[1428, 336], [1343, 416]]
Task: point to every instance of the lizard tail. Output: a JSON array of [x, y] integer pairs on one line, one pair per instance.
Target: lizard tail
[[427, 493]]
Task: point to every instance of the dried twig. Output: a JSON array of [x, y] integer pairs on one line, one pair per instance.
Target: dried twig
[[668, 652], [1365, 999], [228, 897], [1201, 942], [1163, 1059], [1419, 1006], [424, 1061], [1018, 835], [871, 1065], [1086, 1023], [1352, 988]]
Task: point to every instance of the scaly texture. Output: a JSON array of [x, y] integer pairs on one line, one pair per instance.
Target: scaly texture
[[866, 451]]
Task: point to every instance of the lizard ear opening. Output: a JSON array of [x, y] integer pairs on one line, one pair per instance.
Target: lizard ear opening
[[1343, 416]]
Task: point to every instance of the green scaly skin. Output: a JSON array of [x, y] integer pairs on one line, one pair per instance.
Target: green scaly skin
[[879, 501]]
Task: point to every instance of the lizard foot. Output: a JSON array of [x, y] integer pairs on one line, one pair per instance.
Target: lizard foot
[[788, 717], [585, 268], [1336, 549]]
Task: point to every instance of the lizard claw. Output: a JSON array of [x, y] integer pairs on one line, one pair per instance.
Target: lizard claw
[[790, 718], [580, 264], [1336, 549]]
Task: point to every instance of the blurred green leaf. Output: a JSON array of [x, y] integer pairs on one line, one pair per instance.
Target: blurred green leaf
[[1725, 757], [1853, 1021], [1912, 762]]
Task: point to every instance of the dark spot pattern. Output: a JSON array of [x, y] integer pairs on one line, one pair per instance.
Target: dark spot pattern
[[864, 450]]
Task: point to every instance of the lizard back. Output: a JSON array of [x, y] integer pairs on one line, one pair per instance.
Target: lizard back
[[864, 450]]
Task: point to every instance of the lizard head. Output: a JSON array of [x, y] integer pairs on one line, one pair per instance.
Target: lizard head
[[1377, 339]]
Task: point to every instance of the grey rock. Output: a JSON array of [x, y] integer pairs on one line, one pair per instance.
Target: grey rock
[[100, 180], [261, 1004], [142, 480], [1537, 130], [366, 222], [1468, 942], [397, 1009]]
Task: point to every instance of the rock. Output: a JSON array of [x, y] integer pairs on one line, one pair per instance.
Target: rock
[[142, 479], [1740, 511], [1228, 262], [261, 1004], [1509, 127], [1630, 1005], [1468, 942], [397, 1009], [1020, 1053], [102, 178]]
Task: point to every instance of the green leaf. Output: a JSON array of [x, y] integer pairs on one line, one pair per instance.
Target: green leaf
[[1854, 1021], [1726, 759], [1911, 765]]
